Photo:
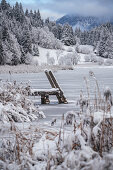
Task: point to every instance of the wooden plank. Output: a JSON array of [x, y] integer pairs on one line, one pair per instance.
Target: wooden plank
[[53, 85], [50, 80], [61, 97]]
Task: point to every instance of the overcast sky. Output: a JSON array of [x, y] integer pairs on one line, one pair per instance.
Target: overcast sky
[[58, 8]]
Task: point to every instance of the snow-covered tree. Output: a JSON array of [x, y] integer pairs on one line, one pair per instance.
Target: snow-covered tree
[[1, 53], [68, 35], [26, 41], [28, 58], [109, 46], [102, 44], [4, 5], [19, 13], [35, 50], [4, 32]]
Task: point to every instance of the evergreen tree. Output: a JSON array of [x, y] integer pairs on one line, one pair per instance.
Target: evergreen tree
[[102, 44], [26, 41], [5, 34], [68, 35], [1, 53], [19, 13], [60, 30], [4, 5], [15, 59], [55, 31], [27, 13], [47, 22], [22, 16], [109, 46], [38, 19]]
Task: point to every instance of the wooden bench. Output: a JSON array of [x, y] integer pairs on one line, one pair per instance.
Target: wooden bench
[[45, 93]]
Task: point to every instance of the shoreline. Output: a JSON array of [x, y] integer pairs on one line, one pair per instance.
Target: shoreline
[[7, 69]]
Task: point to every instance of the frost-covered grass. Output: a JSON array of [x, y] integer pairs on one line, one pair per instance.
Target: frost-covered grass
[[31, 68], [84, 139], [15, 105]]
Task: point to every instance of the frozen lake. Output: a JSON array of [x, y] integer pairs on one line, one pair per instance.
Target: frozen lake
[[71, 81]]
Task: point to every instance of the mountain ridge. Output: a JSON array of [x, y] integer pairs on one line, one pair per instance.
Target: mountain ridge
[[83, 22]]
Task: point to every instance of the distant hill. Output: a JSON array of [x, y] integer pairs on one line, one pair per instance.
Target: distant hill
[[82, 22]]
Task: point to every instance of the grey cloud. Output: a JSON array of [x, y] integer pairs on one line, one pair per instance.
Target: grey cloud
[[80, 7]]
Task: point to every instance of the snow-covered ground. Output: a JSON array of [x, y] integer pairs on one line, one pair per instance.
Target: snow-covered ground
[[60, 60]]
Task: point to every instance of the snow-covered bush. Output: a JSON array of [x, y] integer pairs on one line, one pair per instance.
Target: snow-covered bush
[[69, 59], [50, 61], [100, 61], [93, 58], [58, 53], [15, 105], [70, 49], [108, 62], [35, 61], [28, 58], [90, 58], [87, 58], [85, 49], [61, 61]]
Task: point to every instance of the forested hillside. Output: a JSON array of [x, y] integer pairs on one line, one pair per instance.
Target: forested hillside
[[22, 32]]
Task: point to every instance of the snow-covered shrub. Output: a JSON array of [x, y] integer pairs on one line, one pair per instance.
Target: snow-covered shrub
[[87, 58], [85, 49], [35, 61], [70, 49], [15, 105], [69, 59], [58, 53], [61, 61], [28, 58], [90, 58], [108, 62], [73, 57], [50, 61], [100, 61], [93, 57]]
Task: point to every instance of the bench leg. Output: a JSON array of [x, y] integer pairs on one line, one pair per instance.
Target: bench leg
[[45, 99]]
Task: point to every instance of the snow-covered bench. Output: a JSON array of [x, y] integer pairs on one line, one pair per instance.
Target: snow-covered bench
[[55, 90]]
